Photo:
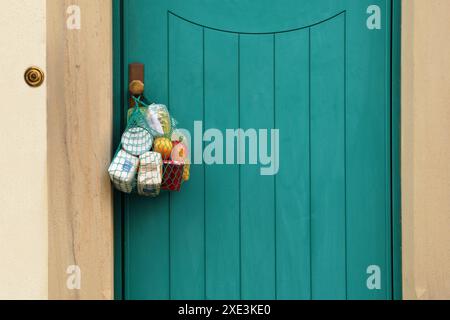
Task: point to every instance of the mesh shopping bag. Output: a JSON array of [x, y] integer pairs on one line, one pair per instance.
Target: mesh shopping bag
[[137, 140], [148, 160]]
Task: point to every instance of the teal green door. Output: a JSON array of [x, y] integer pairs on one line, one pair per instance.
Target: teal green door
[[322, 227]]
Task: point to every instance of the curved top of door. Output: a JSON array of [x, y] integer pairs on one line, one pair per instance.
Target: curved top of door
[[256, 16]]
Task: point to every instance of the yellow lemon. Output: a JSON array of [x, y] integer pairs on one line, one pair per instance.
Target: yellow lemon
[[186, 172]]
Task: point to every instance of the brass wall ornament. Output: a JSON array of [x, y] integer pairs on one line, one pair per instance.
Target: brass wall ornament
[[34, 77]]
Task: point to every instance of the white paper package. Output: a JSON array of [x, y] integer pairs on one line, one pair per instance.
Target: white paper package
[[159, 119], [122, 171], [150, 174], [137, 141]]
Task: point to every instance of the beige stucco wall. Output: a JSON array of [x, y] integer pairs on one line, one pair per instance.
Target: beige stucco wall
[[23, 153], [426, 149]]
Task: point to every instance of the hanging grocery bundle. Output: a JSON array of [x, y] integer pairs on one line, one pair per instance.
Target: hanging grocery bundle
[[153, 155]]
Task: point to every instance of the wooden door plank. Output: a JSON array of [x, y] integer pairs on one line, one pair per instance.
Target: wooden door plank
[[293, 180], [257, 191], [146, 221], [328, 211], [187, 207], [222, 180]]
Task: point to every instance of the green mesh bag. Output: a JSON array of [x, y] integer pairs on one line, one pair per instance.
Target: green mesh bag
[[147, 160]]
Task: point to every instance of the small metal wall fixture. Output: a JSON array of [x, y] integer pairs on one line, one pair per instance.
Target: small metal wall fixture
[[34, 77]]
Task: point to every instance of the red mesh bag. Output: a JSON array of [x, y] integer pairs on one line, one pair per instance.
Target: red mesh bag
[[173, 175]]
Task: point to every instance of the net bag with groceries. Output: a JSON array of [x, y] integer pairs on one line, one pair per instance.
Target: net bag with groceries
[[153, 155]]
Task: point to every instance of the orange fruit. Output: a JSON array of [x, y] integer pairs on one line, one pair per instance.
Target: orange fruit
[[164, 146]]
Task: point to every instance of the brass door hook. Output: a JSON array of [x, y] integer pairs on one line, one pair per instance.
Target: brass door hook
[[136, 81]]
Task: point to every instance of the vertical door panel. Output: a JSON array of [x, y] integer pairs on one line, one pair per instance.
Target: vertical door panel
[[146, 229], [257, 192], [328, 160], [187, 208], [222, 232], [292, 118], [368, 152]]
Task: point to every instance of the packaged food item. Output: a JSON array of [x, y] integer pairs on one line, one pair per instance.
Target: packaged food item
[[177, 135], [154, 123], [179, 152], [122, 171], [164, 146], [159, 118], [150, 174], [137, 141], [173, 175]]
